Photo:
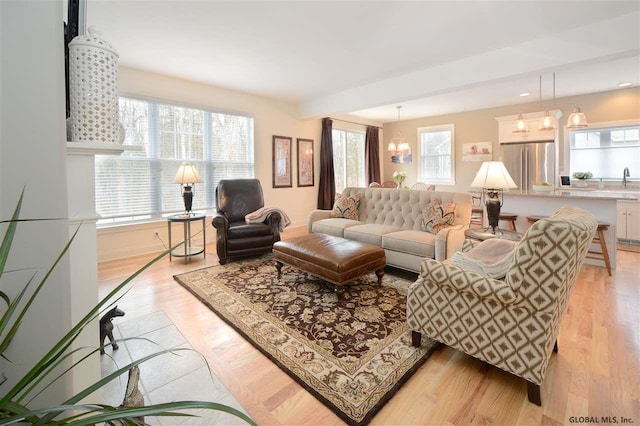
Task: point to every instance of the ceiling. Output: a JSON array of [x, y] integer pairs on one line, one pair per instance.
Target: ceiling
[[366, 58]]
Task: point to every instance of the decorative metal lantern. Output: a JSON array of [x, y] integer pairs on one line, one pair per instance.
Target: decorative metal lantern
[[93, 88]]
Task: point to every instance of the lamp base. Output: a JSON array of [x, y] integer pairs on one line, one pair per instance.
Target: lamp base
[[187, 195], [493, 205]]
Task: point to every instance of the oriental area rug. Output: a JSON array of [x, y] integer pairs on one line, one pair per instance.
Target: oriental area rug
[[352, 351]]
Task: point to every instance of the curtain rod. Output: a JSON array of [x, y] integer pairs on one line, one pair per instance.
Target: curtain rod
[[353, 122]]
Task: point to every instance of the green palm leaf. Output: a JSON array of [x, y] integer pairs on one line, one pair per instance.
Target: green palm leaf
[[11, 410]]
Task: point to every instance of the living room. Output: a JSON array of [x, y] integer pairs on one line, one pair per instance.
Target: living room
[[594, 375]]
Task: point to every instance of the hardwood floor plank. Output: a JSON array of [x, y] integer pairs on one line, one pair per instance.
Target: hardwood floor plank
[[597, 371]]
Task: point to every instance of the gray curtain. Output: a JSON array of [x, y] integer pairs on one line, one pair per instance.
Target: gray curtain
[[372, 155], [327, 182]]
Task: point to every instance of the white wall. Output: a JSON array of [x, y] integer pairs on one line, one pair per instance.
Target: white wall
[[32, 155], [271, 117]]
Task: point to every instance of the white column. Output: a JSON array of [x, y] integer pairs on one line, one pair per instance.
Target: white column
[[83, 253]]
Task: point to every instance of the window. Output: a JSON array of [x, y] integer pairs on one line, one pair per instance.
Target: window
[[348, 158], [139, 183], [605, 151], [435, 145]]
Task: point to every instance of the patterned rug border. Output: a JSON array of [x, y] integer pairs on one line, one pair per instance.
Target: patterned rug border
[[372, 412]]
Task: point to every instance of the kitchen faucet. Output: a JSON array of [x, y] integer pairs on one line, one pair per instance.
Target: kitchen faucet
[[625, 175]]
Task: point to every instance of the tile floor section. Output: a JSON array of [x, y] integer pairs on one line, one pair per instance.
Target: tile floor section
[[168, 377]]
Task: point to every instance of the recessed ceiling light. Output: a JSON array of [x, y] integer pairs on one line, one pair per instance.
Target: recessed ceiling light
[[625, 84], [524, 94]]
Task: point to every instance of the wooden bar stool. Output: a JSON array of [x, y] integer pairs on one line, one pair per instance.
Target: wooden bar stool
[[603, 254], [511, 218], [598, 239], [533, 218]]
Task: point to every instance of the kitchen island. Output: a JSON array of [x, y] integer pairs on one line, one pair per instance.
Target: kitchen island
[[602, 204]]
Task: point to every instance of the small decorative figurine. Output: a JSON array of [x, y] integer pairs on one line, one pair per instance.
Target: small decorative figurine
[[106, 327]]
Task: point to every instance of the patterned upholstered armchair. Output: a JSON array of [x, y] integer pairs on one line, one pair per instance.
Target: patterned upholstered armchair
[[235, 198], [512, 324]]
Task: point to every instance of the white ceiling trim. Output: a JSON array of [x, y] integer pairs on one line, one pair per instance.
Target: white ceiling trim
[[526, 59]]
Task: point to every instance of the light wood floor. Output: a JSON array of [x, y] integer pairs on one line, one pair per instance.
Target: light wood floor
[[596, 373]]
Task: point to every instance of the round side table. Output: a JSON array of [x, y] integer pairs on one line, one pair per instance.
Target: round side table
[[187, 250]]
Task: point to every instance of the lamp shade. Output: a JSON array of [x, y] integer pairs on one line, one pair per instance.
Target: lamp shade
[[404, 148], [187, 173], [392, 147], [577, 119], [521, 125], [493, 175], [548, 122]]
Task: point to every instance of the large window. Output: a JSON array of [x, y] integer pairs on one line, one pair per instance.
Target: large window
[[435, 145], [605, 151], [348, 158], [139, 184]]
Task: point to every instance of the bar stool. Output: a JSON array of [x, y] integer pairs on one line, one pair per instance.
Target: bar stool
[[603, 254], [598, 239], [511, 218], [477, 211]]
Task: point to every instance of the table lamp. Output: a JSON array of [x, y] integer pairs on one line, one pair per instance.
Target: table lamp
[[493, 178], [187, 175]]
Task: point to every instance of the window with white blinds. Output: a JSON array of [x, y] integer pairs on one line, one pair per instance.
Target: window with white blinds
[[348, 158], [138, 184]]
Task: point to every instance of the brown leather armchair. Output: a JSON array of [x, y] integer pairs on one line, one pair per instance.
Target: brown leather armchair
[[235, 198]]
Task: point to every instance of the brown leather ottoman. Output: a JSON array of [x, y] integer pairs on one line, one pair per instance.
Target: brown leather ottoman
[[334, 259]]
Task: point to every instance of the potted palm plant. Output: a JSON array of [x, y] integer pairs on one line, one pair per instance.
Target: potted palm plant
[[14, 409]]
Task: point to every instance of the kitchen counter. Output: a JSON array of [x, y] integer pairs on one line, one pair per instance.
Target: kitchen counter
[[602, 204], [578, 193]]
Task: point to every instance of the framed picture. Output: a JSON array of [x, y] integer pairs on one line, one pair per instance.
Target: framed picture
[[401, 158], [305, 162], [282, 162], [477, 151]]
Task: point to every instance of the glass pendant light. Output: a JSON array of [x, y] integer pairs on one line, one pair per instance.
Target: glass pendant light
[[577, 119], [548, 122], [521, 125]]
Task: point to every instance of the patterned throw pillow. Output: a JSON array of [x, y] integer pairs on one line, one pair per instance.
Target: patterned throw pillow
[[346, 207], [437, 216]]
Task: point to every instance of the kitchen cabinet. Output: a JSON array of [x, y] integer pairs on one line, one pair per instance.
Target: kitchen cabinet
[[628, 220]]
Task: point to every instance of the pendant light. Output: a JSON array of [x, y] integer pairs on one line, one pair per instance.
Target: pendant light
[[397, 144], [577, 119], [521, 125], [548, 122]]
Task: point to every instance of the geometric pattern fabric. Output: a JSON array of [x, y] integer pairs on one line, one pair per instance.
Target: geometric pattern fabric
[[512, 324]]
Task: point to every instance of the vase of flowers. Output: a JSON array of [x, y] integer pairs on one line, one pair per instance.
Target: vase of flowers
[[399, 177]]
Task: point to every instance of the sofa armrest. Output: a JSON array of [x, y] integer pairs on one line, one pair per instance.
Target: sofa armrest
[[448, 241], [316, 215], [446, 274]]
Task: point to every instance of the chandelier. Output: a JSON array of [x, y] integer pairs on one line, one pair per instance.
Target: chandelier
[[398, 144]]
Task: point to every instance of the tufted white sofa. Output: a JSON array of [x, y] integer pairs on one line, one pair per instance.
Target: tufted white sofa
[[392, 219]]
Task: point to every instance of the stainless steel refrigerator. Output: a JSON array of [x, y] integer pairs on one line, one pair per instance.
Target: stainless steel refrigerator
[[529, 162]]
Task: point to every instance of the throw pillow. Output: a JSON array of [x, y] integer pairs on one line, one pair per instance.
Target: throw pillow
[[437, 216], [490, 258], [346, 207]]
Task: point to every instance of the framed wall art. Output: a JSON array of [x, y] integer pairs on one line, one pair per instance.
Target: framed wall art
[[282, 162], [478, 151], [305, 162]]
